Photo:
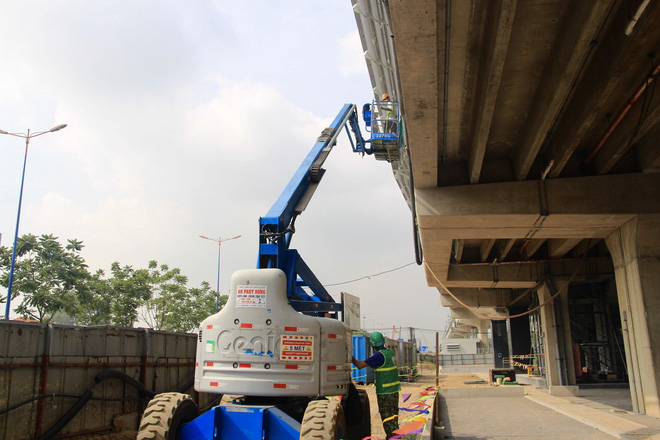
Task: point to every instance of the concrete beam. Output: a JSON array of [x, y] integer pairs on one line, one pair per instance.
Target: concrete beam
[[496, 298], [584, 207], [509, 276], [503, 251], [417, 47], [530, 247], [559, 247], [458, 250], [629, 133], [486, 246], [647, 151], [436, 254], [608, 63], [494, 43], [580, 26], [521, 275], [460, 18], [486, 227], [463, 313]]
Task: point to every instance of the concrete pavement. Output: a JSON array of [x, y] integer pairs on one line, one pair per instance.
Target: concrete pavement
[[531, 412]]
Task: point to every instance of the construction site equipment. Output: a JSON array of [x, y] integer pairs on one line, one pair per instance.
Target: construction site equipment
[[275, 344]]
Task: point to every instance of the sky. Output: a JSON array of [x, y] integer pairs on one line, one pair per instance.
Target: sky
[[188, 119]]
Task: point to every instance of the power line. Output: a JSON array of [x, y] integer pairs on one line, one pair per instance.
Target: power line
[[374, 275]]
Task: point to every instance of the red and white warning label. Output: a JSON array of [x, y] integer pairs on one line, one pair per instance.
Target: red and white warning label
[[251, 296], [297, 348]]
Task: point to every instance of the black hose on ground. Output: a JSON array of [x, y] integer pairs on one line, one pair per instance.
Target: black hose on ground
[[186, 386], [70, 414], [87, 395], [68, 396], [126, 378]]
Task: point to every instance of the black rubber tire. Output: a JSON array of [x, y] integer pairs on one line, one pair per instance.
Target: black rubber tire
[[323, 420], [362, 429], [165, 414]]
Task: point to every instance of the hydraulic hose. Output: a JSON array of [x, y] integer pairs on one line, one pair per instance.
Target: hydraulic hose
[[126, 378], [70, 414], [186, 386], [87, 395]]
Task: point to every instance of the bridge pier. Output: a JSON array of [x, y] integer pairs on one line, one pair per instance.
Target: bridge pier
[[635, 250]]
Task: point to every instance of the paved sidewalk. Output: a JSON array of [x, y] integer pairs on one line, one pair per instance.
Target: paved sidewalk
[[530, 412], [500, 413], [591, 409]]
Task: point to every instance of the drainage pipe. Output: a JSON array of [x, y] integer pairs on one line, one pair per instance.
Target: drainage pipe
[[622, 115]]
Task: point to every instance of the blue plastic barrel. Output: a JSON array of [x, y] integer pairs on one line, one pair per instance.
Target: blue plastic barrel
[[361, 351]]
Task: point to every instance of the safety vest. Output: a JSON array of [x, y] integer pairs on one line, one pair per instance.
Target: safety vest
[[387, 375]]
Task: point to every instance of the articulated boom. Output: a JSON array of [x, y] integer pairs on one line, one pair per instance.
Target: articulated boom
[[278, 225]]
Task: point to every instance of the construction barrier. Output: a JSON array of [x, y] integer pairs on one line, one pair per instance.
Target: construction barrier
[[532, 364], [110, 372]]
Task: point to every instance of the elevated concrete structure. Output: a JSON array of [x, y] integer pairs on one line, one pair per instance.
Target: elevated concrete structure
[[532, 168]]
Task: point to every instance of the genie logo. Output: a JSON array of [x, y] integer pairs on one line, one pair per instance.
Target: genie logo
[[260, 344]]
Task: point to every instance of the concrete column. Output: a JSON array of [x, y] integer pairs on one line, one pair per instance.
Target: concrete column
[[557, 336], [549, 337], [483, 326], [635, 249], [567, 342]]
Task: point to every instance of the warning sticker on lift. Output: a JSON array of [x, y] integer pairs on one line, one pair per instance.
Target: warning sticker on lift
[[297, 348], [251, 296]]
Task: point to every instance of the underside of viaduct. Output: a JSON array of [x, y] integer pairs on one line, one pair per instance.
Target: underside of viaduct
[[531, 164]]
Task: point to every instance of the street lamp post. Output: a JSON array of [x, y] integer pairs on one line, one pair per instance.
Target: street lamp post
[[27, 136], [218, 240]]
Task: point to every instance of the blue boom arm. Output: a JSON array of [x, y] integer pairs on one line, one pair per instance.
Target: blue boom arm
[[276, 228]]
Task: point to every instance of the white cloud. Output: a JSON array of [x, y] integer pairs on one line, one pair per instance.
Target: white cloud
[[188, 119], [351, 55]]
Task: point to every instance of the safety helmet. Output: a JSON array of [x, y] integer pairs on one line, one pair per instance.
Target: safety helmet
[[385, 97], [376, 339]]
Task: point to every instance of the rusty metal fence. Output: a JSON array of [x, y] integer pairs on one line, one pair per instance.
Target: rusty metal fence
[[46, 370]]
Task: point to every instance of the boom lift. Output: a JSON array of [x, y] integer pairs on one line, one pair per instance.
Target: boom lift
[[274, 343]]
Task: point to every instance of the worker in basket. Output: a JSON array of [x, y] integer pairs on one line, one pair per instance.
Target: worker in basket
[[388, 114], [386, 375]]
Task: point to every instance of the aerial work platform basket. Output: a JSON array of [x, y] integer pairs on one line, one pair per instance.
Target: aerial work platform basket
[[383, 120]]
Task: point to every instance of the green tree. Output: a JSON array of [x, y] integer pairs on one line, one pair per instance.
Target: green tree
[[47, 277], [168, 293], [174, 307], [95, 304], [54, 284], [199, 305], [131, 289]]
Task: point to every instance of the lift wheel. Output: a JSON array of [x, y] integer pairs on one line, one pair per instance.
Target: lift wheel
[[165, 414], [323, 420]]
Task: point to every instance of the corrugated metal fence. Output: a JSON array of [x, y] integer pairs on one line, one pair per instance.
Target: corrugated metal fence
[[67, 362]]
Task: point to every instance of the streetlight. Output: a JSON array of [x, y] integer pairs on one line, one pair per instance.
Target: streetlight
[[218, 240], [27, 136]]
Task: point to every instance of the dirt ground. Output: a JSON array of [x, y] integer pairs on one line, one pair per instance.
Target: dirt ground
[[425, 379], [124, 435]]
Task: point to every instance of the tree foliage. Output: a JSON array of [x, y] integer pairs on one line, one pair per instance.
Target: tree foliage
[[47, 276], [199, 305], [53, 282], [168, 289]]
